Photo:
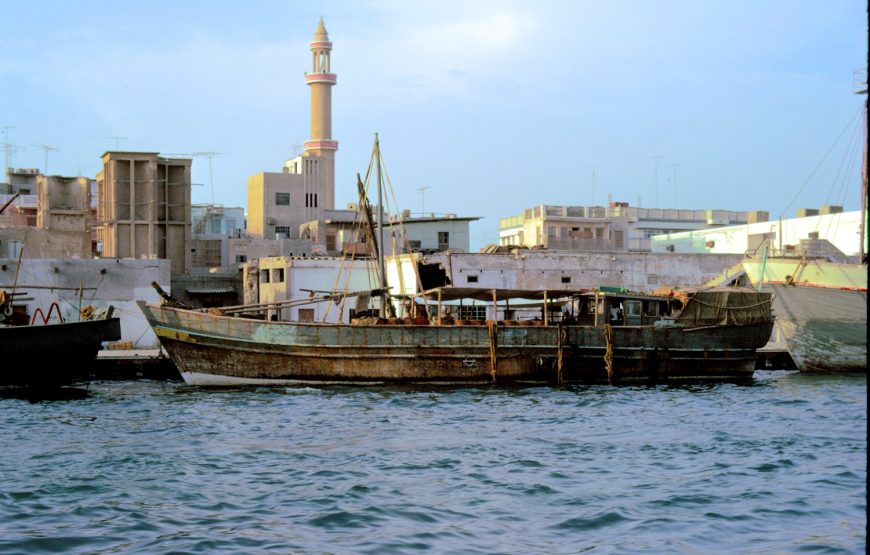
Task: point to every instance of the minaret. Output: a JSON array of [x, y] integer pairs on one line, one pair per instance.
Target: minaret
[[320, 149]]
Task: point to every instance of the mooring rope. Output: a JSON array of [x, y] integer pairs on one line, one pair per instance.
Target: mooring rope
[[562, 335]]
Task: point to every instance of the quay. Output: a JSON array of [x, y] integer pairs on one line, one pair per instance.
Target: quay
[[134, 364]]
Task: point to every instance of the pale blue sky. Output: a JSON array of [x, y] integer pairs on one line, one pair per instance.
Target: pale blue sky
[[494, 105]]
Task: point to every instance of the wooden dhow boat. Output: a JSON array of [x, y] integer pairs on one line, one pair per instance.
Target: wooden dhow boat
[[596, 336]]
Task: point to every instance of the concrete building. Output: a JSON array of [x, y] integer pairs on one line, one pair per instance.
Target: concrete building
[[839, 230], [340, 231], [278, 203], [143, 209], [212, 228], [615, 228]]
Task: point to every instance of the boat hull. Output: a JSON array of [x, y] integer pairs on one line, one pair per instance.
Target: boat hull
[[216, 350], [52, 355], [824, 329], [821, 311]]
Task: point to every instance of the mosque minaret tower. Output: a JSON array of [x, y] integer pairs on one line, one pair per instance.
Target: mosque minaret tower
[[321, 147], [279, 203]]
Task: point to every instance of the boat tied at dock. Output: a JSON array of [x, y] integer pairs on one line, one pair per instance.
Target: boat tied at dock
[[598, 336]]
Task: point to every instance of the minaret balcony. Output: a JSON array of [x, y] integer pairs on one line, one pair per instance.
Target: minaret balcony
[[312, 78], [321, 144]]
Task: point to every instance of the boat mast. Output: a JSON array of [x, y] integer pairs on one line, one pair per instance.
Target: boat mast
[[382, 274]]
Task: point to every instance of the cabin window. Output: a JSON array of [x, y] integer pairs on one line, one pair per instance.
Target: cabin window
[[282, 199], [306, 315], [566, 279], [633, 308], [264, 276], [278, 275], [652, 309], [474, 312], [472, 279]]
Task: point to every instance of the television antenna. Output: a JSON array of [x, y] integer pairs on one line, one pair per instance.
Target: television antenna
[[593, 168], [8, 148], [423, 198], [47, 149], [204, 154], [656, 177], [117, 141]]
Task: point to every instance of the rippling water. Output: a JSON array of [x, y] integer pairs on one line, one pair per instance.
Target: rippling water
[[157, 467]]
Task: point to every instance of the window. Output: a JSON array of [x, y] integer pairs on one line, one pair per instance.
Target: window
[[241, 258], [311, 200], [278, 275], [472, 312], [264, 276], [472, 279], [566, 279], [632, 308], [285, 229], [306, 314], [443, 240], [282, 199], [330, 242]]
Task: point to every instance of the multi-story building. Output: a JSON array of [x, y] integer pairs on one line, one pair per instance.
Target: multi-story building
[[143, 209], [617, 227], [279, 202]]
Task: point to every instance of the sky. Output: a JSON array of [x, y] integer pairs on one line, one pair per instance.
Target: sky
[[482, 108]]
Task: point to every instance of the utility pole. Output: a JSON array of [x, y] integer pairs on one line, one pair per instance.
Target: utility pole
[[656, 177], [47, 149], [423, 198]]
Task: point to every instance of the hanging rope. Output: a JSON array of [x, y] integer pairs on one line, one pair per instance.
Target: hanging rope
[[608, 352], [562, 335]]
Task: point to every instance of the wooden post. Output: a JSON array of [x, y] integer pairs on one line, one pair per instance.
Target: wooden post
[[439, 306], [546, 316], [494, 305]]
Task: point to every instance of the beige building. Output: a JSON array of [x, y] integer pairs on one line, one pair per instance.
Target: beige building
[[143, 208], [617, 227], [278, 203]]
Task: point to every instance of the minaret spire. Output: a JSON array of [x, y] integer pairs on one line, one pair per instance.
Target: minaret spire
[[321, 80]]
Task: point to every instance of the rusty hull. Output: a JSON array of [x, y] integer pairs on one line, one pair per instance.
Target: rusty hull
[[220, 350]]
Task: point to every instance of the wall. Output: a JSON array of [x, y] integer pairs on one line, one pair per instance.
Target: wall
[[119, 282]]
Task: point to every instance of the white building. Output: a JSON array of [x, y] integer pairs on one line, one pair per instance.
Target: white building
[[840, 229]]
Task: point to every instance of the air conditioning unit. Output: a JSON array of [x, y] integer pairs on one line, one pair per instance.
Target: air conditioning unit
[[710, 244], [670, 248]]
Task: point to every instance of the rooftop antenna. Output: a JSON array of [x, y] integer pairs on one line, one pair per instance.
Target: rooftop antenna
[[7, 147], [674, 165], [656, 159], [593, 168], [117, 141], [423, 198], [47, 149], [207, 154]]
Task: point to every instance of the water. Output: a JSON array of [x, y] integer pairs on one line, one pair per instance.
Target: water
[[158, 467]]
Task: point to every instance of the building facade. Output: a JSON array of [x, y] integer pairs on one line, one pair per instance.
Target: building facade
[[143, 208], [615, 228], [840, 230]]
